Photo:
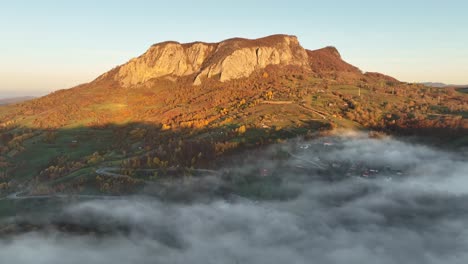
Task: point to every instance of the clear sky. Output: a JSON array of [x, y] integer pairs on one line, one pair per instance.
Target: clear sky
[[53, 44]]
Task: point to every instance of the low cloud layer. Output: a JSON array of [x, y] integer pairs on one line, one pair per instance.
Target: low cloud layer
[[411, 210]]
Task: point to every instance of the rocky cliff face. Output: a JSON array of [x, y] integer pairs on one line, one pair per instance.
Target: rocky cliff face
[[239, 58], [164, 59], [227, 60]]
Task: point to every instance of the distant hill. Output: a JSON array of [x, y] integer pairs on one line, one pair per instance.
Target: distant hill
[[14, 100], [443, 85]]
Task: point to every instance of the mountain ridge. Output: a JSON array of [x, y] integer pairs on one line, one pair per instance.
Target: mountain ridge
[[231, 59]]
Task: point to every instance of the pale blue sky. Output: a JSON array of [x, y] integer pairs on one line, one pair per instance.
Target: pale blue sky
[[47, 45]]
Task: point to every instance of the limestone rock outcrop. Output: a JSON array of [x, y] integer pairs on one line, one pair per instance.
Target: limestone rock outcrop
[[252, 55], [164, 59], [227, 60]]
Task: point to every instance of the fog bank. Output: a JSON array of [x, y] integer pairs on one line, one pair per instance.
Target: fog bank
[[378, 201]]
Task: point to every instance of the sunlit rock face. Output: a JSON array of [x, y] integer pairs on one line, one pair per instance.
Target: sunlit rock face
[[250, 55], [164, 59], [224, 61]]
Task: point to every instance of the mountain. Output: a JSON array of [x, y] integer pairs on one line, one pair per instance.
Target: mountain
[[14, 100], [192, 105], [229, 60], [154, 86]]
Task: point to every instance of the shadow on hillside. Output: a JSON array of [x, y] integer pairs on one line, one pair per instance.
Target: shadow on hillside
[[31, 156], [444, 137], [37, 162]]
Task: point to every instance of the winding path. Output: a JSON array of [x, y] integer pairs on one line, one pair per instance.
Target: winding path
[[18, 196], [111, 171], [106, 171]]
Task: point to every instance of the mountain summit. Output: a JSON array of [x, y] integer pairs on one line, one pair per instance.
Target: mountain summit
[[224, 61]]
